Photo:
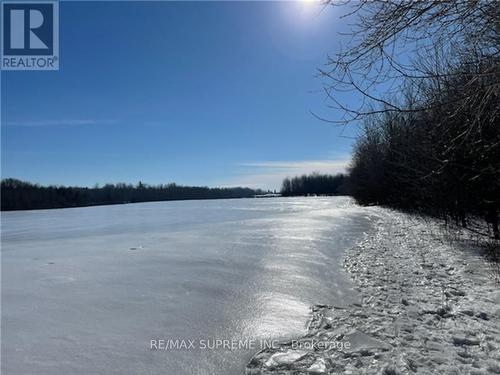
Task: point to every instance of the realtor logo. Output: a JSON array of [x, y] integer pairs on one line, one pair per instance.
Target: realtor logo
[[30, 35]]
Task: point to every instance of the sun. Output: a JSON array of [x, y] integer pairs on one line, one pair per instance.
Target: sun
[[309, 6]]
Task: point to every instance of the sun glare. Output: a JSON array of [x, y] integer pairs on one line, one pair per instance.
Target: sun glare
[[309, 5]]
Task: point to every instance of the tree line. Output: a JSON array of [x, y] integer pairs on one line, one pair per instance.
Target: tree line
[[314, 184], [443, 160], [427, 78], [21, 195]]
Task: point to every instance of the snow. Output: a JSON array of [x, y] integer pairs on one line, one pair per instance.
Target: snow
[[85, 290], [318, 367], [285, 358], [427, 307]]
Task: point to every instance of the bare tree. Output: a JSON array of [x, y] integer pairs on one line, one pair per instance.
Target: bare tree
[[427, 79], [390, 40]]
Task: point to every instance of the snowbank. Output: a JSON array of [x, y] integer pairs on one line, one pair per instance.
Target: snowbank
[[427, 308]]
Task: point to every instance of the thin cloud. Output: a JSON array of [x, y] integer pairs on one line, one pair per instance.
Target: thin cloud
[[302, 164], [60, 122], [270, 174]]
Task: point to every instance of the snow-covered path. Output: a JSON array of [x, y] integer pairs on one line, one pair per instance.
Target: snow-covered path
[[427, 308]]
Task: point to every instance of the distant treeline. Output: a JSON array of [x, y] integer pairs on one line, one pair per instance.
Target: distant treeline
[[20, 195], [314, 184]]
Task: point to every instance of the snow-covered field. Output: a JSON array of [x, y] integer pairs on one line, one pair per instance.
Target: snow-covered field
[[428, 306], [85, 290]]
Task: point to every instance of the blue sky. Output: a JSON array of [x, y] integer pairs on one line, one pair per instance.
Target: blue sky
[[203, 93]]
